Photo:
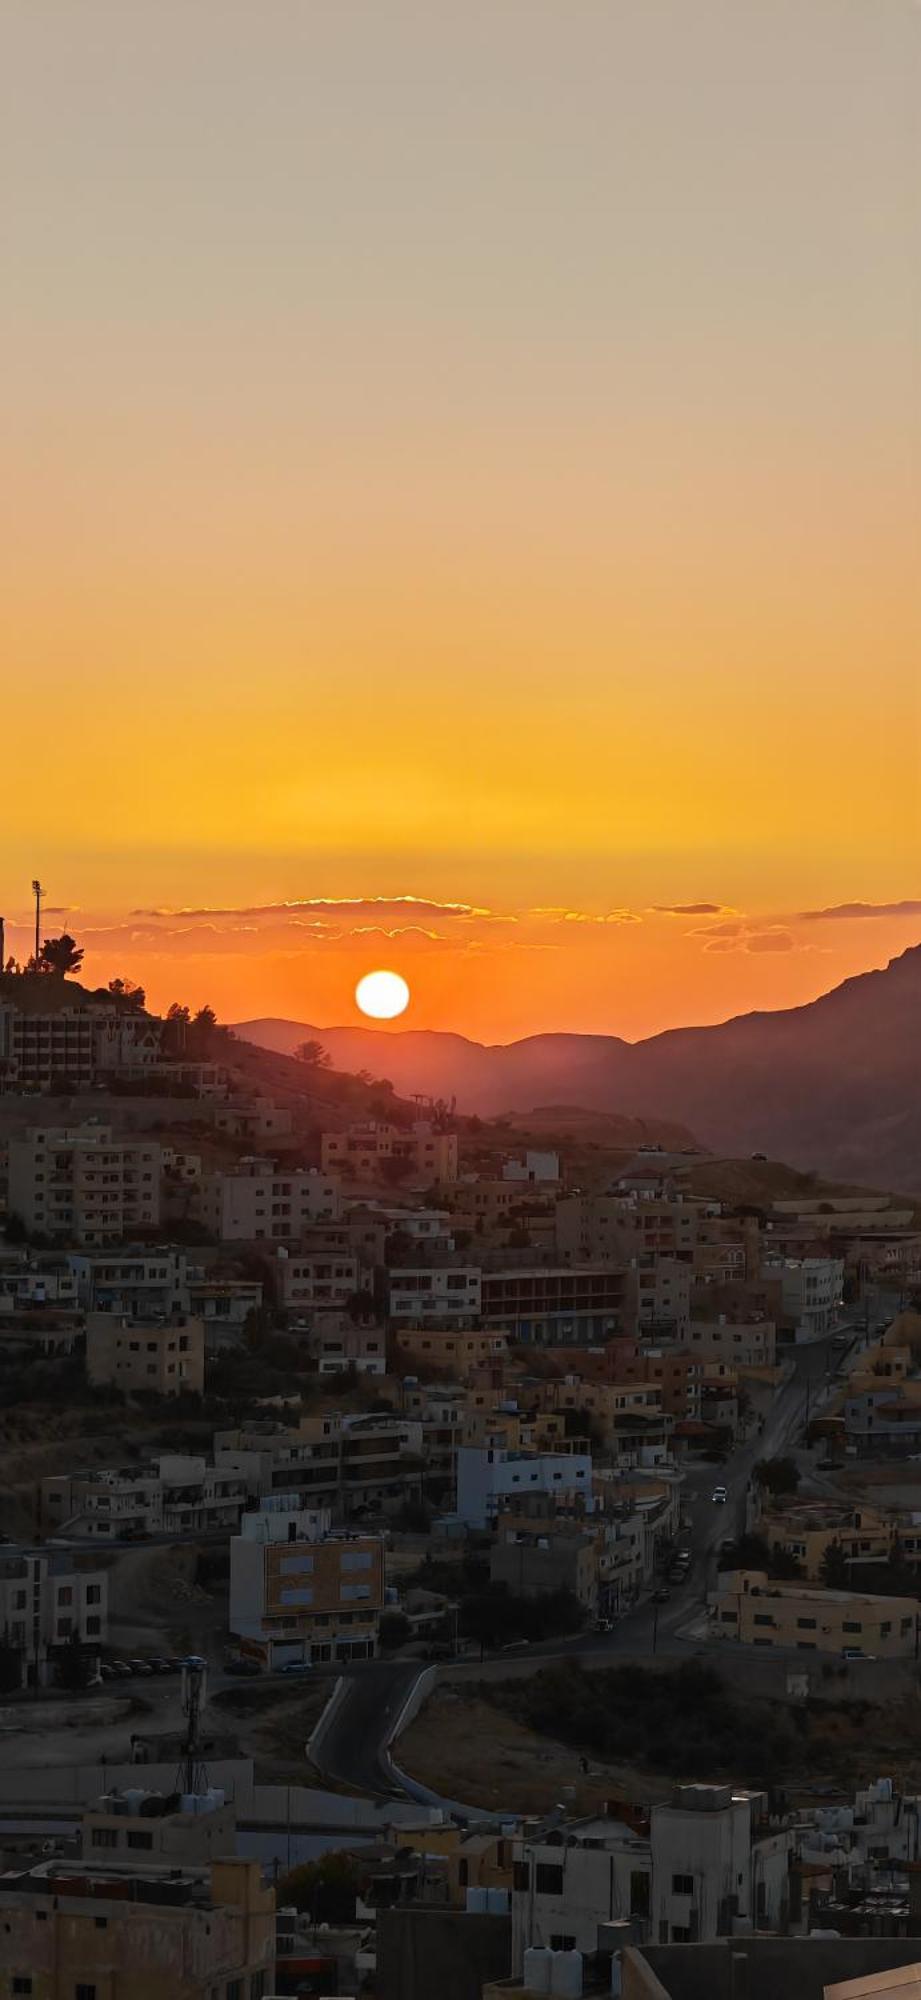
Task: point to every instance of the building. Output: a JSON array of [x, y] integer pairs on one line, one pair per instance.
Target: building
[[457, 1353], [260, 1201], [254, 1119], [811, 1291], [648, 1218], [299, 1594], [135, 1828], [310, 1278], [163, 1356], [71, 1047], [744, 1345], [756, 1610], [377, 1150], [337, 1342], [47, 1603], [82, 1931], [807, 1529], [718, 1860], [560, 1306], [439, 1295], [490, 1478], [663, 1296], [344, 1463], [534, 1167], [534, 1559], [83, 1183], [176, 1494]]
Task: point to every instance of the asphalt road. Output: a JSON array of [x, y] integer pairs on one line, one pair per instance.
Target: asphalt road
[[353, 1751]]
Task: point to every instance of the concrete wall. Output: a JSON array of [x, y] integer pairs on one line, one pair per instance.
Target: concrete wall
[[421, 1953]]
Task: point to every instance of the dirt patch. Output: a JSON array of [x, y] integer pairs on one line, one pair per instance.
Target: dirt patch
[[465, 1749], [272, 1727]]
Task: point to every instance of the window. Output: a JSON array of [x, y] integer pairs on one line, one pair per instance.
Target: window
[[140, 1839], [105, 1836], [806, 1624], [357, 1559], [234, 1989], [549, 1879], [682, 1885], [350, 1591], [22, 1982], [767, 1618], [84, 1992], [852, 1626]]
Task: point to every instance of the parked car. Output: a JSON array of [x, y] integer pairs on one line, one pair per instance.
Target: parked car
[[296, 1667], [141, 1667], [662, 1595], [720, 1496], [194, 1661], [604, 1624], [163, 1666], [249, 1668], [122, 1669], [107, 1671]]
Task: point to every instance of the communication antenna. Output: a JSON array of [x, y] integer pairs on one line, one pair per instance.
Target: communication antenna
[[38, 893], [192, 1775]]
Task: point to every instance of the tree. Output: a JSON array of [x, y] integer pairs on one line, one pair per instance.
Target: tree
[[778, 1475], [127, 993], [312, 1054], [834, 1569], [327, 1889], [60, 955]]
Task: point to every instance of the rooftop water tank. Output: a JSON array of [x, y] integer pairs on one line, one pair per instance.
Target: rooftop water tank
[[566, 1975], [477, 1901], [497, 1902], [537, 1963]]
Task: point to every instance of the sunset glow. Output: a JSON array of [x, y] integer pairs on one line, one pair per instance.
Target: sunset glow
[[382, 995]]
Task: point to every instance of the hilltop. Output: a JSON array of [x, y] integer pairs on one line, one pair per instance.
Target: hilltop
[[833, 1085]]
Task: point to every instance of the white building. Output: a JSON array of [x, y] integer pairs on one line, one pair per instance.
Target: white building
[[263, 1200], [176, 1494], [44, 1604], [539, 1167], [716, 1860], [83, 1182], [811, 1293], [743, 1344], [490, 1477], [327, 1278]]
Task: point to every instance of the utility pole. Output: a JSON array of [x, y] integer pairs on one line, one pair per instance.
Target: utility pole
[[38, 893]]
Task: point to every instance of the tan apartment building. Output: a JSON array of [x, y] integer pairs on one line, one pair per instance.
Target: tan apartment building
[[535, 1559], [73, 1930], [457, 1353], [83, 1183], [164, 1356], [308, 1278], [756, 1610], [808, 1529], [743, 1344], [300, 1595], [261, 1200], [361, 1152]]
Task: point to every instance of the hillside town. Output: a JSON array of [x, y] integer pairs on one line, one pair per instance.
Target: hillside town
[[357, 1458]]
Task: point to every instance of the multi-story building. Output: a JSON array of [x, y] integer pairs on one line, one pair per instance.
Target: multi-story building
[[260, 1201], [83, 1183], [336, 1343], [165, 1357], [83, 1931], [299, 1594], [663, 1296], [45, 1603], [362, 1152], [490, 1478], [456, 1353], [757, 1610], [745, 1345], [71, 1047], [560, 1306], [811, 1289], [534, 1559], [254, 1119], [176, 1494], [436, 1295], [139, 1829], [807, 1529], [345, 1463], [305, 1279]]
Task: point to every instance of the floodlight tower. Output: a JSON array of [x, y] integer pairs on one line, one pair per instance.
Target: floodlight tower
[[38, 893]]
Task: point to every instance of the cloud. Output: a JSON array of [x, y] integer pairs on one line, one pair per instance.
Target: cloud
[[691, 909], [745, 936], [718, 931], [840, 911], [342, 905], [774, 940]]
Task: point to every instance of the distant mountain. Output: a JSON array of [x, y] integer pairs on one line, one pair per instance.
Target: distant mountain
[[834, 1085]]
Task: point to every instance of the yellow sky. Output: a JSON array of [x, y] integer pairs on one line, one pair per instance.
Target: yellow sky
[[470, 453]]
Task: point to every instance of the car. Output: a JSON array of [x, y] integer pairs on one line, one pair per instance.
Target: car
[[194, 1662], [855, 1653], [296, 1667], [662, 1595], [141, 1667], [163, 1666], [719, 1496], [248, 1668], [677, 1575], [122, 1669], [108, 1671], [604, 1624], [728, 1546]]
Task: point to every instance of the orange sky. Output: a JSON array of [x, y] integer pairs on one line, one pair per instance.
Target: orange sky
[[469, 454]]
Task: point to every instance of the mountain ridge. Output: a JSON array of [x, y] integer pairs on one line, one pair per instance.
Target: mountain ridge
[[833, 1083]]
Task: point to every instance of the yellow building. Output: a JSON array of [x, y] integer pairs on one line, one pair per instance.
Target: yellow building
[[756, 1610], [76, 1931], [807, 1530]]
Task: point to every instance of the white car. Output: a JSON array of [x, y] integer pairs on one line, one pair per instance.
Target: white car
[[720, 1495]]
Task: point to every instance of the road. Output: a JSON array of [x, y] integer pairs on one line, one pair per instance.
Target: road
[[354, 1749]]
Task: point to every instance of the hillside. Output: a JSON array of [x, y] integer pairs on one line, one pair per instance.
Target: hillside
[[834, 1085]]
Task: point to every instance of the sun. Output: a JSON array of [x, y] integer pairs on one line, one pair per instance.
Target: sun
[[383, 995]]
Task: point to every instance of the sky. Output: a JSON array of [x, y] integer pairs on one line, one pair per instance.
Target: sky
[[461, 500]]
